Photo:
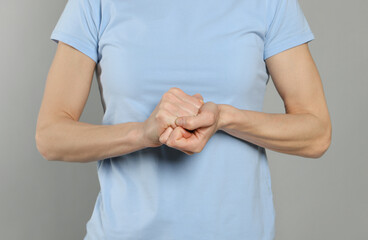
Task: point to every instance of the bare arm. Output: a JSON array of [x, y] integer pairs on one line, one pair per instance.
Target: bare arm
[[305, 129], [59, 134]]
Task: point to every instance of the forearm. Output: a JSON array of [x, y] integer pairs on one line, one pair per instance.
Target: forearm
[[74, 141], [298, 134]]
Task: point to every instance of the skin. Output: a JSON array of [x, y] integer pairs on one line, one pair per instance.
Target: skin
[[61, 136], [304, 130], [174, 103], [201, 127]]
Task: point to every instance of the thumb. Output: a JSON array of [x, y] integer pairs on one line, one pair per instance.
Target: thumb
[[193, 122]]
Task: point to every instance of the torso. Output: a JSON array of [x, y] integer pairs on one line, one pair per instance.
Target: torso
[[214, 48]]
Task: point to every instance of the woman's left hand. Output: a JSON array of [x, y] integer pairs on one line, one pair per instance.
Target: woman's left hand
[[201, 128]]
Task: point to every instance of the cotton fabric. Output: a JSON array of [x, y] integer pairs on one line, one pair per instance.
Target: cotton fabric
[[216, 48]]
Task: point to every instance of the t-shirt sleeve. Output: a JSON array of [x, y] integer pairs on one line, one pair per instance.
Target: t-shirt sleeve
[[287, 27], [78, 26]]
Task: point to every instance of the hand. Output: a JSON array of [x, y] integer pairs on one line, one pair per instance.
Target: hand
[[201, 128], [174, 103]]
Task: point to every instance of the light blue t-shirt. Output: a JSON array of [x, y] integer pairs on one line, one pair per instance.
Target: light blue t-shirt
[[213, 47]]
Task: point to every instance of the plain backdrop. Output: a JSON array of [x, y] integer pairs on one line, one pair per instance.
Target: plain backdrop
[[323, 198]]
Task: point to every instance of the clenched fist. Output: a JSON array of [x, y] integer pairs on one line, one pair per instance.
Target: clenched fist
[[193, 132], [174, 103]]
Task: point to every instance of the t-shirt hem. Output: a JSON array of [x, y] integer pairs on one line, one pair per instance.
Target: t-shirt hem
[[76, 43], [289, 43]]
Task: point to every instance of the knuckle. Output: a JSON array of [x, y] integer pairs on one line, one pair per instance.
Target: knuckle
[[162, 140], [168, 96], [157, 116], [175, 90], [200, 102], [188, 122], [165, 96], [198, 149], [199, 95], [170, 143], [165, 105]]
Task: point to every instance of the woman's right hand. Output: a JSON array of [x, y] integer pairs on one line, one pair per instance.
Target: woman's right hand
[[174, 103]]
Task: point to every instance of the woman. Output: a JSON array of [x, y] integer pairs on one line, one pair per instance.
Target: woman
[[170, 166]]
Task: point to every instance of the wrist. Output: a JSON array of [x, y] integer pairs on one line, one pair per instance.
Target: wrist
[[225, 116], [141, 136]]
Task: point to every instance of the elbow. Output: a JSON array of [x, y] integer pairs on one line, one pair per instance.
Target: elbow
[[322, 144], [44, 146], [48, 148]]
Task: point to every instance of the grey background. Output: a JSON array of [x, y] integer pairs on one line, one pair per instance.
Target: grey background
[[323, 198]]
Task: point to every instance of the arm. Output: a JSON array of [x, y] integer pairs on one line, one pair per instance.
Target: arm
[[59, 134], [305, 129]]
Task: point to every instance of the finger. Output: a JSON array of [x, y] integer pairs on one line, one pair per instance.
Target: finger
[[175, 134], [199, 96], [186, 98], [194, 122], [166, 119], [178, 107], [179, 133], [170, 118], [165, 135], [188, 152], [177, 141], [185, 133]]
